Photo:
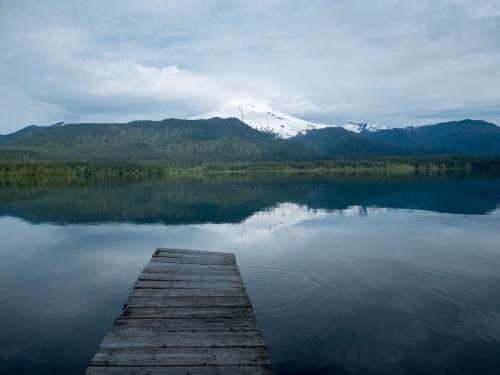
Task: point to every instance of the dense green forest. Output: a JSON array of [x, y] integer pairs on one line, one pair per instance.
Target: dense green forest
[[466, 137], [388, 165], [230, 141], [336, 142], [172, 141], [217, 198], [173, 146]]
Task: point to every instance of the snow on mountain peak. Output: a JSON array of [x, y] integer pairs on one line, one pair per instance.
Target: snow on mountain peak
[[262, 117], [363, 127]]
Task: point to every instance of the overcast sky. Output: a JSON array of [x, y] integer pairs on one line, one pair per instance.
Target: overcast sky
[[392, 62]]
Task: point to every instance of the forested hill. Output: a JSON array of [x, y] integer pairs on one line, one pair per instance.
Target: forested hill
[[465, 137], [231, 140], [334, 142], [171, 140]]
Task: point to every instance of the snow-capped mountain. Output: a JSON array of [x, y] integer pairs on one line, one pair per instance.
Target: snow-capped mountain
[[262, 117], [363, 127]]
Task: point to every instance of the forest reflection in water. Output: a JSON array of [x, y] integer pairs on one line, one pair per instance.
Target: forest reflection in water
[[347, 274], [232, 198]]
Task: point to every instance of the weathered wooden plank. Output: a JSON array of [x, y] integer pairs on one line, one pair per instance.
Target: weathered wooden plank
[[188, 312], [190, 254], [186, 252], [189, 325], [210, 260], [159, 268], [181, 370], [197, 277], [188, 301], [188, 356], [164, 284], [166, 266], [215, 292], [139, 337], [225, 259], [200, 262], [205, 254]]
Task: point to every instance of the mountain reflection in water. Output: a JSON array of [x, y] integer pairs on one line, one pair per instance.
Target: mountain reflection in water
[[347, 275], [223, 199]]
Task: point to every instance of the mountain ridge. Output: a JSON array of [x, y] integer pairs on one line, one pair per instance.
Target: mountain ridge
[[172, 140], [263, 118], [334, 142], [232, 140], [469, 137]]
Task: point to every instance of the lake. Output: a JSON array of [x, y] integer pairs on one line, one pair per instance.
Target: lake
[[347, 274]]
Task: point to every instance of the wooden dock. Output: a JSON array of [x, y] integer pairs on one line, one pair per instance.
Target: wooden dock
[[188, 313]]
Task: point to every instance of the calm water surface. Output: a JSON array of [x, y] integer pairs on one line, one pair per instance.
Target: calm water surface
[[347, 275]]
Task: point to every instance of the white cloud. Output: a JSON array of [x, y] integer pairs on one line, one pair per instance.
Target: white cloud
[[136, 80], [263, 225], [389, 62], [481, 8]]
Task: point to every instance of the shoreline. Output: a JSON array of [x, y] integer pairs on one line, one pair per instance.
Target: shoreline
[[392, 165]]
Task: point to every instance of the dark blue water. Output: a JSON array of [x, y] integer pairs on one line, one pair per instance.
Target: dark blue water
[[348, 275]]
